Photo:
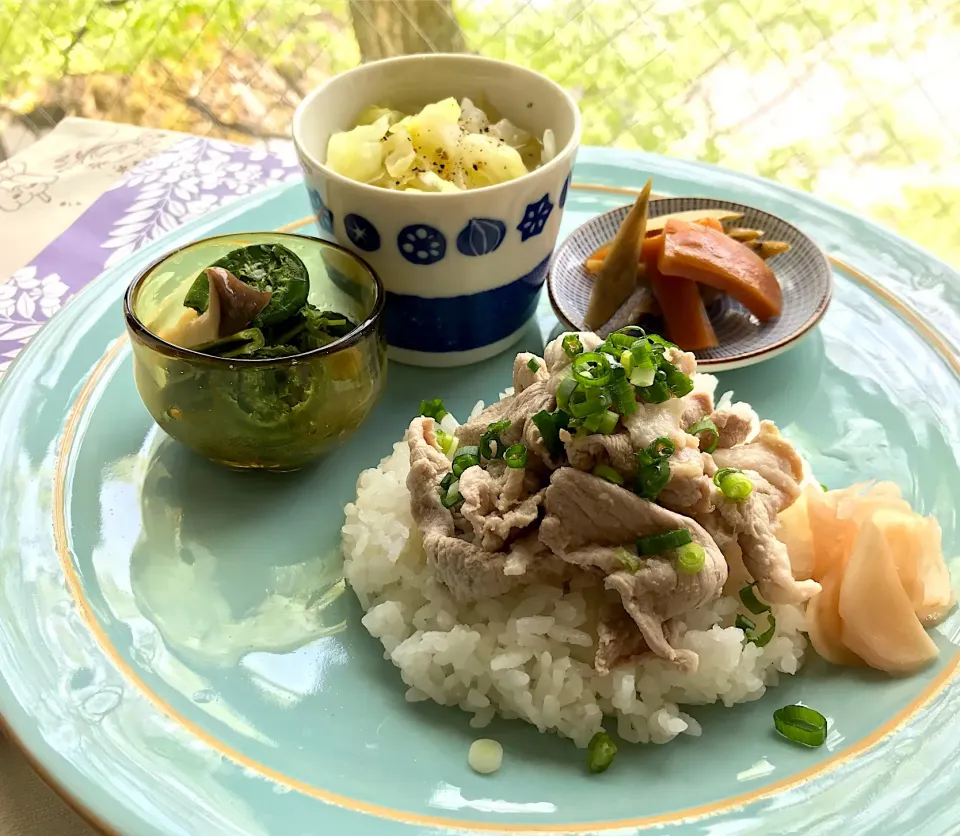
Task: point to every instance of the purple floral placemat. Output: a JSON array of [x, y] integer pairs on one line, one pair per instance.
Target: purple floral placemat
[[187, 180]]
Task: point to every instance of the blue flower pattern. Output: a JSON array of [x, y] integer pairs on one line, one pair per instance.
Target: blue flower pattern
[[535, 218], [362, 233], [324, 215], [563, 193], [422, 244], [481, 236]]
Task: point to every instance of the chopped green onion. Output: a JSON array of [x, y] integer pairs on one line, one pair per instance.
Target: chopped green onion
[[764, 638], [744, 623], [642, 376], [592, 369], [591, 423], [691, 558], [450, 496], [652, 477], [626, 360], [733, 483], [653, 468], [801, 725], [621, 340], [643, 366], [656, 338], [662, 448], [550, 424], [433, 409], [633, 331], [608, 422], [515, 456], [593, 400], [825, 488], [641, 352], [664, 541], [707, 432], [445, 440], [678, 383], [490, 445], [618, 374], [571, 345], [628, 561], [604, 471], [737, 487], [722, 474], [624, 397], [656, 392], [751, 602], [566, 388], [533, 365], [465, 457], [600, 753]]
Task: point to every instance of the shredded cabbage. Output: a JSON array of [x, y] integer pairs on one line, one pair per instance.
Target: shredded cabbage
[[358, 154], [447, 146]]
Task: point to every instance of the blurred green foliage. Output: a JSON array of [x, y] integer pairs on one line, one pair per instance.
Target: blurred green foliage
[[846, 99]]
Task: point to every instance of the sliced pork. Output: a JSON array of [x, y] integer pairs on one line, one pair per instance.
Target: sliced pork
[[696, 406], [753, 523], [497, 507], [587, 515], [556, 358], [516, 408], [770, 455], [733, 427], [586, 452], [466, 569], [689, 491], [619, 640], [523, 376], [656, 420]]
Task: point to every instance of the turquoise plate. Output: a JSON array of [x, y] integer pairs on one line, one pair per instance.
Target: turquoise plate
[[180, 655]]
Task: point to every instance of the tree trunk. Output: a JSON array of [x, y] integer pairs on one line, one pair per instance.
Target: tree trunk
[[385, 29]]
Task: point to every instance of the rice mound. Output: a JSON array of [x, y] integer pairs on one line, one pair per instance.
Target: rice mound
[[529, 654]]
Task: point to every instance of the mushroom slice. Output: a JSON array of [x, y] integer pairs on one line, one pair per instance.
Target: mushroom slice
[[239, 302], [193, 329]]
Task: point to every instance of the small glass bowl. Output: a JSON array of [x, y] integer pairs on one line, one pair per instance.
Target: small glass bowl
[[273, 414]]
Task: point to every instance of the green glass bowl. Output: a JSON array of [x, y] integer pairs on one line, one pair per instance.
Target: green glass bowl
[[274, 414]]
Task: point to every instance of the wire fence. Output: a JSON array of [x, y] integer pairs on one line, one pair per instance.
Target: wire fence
[[856, 101]]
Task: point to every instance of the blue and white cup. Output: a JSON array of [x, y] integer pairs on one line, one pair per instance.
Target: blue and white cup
[[463, 271]]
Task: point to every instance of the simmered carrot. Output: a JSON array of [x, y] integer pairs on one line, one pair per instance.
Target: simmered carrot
[[651, 243], [683, 312], [704, 255]]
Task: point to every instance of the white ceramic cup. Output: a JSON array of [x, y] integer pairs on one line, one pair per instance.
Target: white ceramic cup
[[463, 272]]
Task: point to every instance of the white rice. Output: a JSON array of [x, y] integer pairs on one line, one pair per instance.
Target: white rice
[[529, 654]]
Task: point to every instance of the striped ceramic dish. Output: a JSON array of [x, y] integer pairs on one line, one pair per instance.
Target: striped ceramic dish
[[803, 273]]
